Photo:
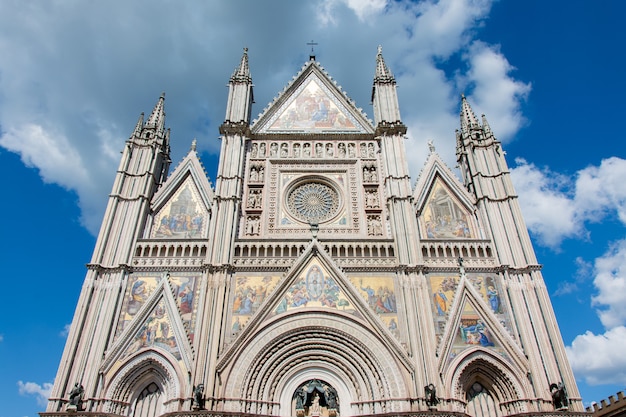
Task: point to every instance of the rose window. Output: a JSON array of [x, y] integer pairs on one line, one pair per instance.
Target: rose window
[[313, 202]]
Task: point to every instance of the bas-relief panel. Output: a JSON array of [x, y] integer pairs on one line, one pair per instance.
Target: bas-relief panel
[[313, 109], [183, 216], [473, 331], [443, 217], [140, 287]]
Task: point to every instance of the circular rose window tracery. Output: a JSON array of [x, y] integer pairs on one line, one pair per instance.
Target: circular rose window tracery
[[313, 202]]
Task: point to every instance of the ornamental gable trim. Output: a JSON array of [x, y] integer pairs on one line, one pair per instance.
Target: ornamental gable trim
[[312, 103]]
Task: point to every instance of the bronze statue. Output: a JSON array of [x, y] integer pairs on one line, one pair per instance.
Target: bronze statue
[[76, 396], [198, 397], [331, 397], [559, 396], [300, 398], [431, 395]]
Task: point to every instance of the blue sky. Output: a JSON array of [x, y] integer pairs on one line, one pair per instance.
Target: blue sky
[[74, 77]]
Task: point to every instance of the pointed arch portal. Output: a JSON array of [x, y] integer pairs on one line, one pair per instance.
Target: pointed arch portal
[[291, 352]]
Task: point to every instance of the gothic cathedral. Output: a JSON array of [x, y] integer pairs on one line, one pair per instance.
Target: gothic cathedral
[[313, 278]]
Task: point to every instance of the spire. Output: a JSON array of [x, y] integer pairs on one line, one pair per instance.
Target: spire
[[157, 118], [139, 125], [194, 144], [240, 96], [468, 118], [242, 72], [385, 99], [383, 74]]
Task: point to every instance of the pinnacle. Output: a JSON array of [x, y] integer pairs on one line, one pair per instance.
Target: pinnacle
[[139, 125], [468, 118], [382, 71], [242, 72], [157, 117]]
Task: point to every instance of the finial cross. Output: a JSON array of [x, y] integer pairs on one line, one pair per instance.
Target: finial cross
[[312, 55], [312, 43]]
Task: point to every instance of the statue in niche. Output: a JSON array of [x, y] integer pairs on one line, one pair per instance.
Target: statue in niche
[[330, 152], [374, 226], [366, 175], [559, 396], [300, 398], [258, 199], [307, 150], [315, 408], [255, 151], [76, 398], [252, 226], [254, 175], [262, 150], [331, 397], [319, 150], [351, 150], [316, 398], [373, 174], [363, 150], [284, 150], [371, 199], [431, 396], [296, 150], [251, 200], [273, 149], [261, 174], [370, 150], [198, 397], [342, 150]]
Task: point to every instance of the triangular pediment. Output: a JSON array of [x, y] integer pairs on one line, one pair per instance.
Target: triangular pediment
[[434, 169], [181, 206], [314, 284], [156, 315], [473, 325], [312, 103], [445, 210]]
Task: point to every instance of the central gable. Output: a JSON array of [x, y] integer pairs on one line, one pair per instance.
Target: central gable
[[312, 103]]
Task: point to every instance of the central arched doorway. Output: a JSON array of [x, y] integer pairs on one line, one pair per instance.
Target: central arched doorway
[[315, 398]]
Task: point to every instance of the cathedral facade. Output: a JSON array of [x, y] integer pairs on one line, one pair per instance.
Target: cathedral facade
[[313, 278]]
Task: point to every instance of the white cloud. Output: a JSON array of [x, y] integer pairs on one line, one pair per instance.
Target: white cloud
[[66, 330], [599, 359], [600, 189], [548, 207], [363, 9], [75, 78], [52, 153], [41, 392], [610, 281], [556, 207], [495, 92]]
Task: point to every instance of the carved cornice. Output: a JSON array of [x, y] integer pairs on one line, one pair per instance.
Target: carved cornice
[[206, 413], [235, 128], [110, 269], [186, 265], [390, 129]]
